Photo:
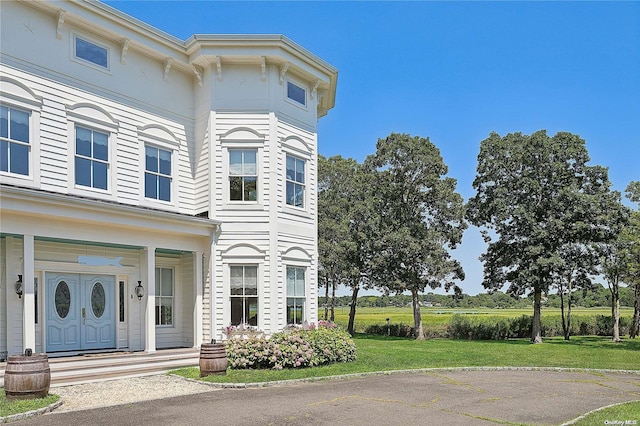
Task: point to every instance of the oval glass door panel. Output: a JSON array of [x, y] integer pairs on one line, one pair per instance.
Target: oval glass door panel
[[63, 299], [98, 300]]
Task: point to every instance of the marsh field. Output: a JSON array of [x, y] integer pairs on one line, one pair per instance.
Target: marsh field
[[366, 316]]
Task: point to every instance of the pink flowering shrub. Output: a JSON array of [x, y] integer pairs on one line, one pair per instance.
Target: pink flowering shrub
[[295, 348]]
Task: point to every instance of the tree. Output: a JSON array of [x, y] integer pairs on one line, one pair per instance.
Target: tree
[[632, 237], [343, 200], [577, 263], [535, 195], [334, 245], [614, 265], [421, 218]]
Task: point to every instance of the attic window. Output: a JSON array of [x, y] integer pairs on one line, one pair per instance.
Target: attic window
[[91, 52], [296, 93]]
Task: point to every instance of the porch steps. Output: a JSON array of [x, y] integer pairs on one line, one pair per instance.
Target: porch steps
[[74, 370]]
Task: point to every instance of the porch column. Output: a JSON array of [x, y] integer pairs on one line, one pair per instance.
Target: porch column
[[197, 292], [28, 298], [149, 278]]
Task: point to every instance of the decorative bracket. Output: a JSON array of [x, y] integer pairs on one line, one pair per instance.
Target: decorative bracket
[[167, 66], [61, 16], [125, 48], [219, 67], [283, 71], [198, 74], [321, 94], [263, 68], [314, 90]]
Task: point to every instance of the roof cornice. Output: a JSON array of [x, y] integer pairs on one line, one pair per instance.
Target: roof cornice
[[197, 49]]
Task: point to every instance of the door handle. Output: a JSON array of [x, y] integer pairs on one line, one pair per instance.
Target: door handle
[[84, 315]]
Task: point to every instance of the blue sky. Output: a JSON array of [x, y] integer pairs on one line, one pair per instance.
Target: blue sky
[[454, 71]]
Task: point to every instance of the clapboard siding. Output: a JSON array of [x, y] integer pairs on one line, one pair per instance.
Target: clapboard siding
[[180, 333], [226, 123], [3, 295], [208, 332], [201, 184], [55, 146]]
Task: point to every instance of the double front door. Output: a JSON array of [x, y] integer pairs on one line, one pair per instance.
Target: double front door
[[80, 312]]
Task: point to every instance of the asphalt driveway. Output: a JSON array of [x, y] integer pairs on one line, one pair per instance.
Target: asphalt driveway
[[417, 398]]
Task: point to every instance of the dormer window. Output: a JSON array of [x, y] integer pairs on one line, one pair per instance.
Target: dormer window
[[90, 52], [296, 93]]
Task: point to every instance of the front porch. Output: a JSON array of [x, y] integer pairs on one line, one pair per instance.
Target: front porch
[[118, 365]]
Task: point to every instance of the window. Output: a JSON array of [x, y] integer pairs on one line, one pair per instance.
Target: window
[[14, 141], [295, 181], [121, 299], [157, 176], [244, 294], [35, 299], [164, 296], [243, 174], [91, 158], [296, 93], [295, 294], [91, 52]]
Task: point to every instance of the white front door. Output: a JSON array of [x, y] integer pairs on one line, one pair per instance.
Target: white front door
[[80, 312]]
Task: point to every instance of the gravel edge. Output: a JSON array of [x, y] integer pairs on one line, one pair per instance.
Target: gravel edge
[[32, 413]]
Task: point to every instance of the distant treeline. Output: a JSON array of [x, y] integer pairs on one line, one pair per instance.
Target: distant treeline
[[599, 297]]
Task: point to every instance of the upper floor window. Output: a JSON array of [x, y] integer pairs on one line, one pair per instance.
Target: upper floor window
[[91, 158], [91, 52], [164, 296], [295, 181], [296, 93], [157, 176], [243, 174], [295, 294], [14, 141]]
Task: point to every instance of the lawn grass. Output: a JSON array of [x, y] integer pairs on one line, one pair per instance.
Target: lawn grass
[[8, 408], [621, 414], [378, 353]]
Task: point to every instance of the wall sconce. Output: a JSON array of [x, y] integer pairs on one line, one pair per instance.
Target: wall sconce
[[19, 286], [139, 290]]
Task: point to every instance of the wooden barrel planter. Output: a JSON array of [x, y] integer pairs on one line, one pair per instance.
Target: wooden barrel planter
[[27, 377], [213, 359]]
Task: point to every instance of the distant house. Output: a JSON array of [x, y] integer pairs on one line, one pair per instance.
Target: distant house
[[153, 190]]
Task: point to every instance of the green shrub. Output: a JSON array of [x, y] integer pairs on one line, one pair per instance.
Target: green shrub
[[330, 345], [395, 330], [499, 328], [295, 348]]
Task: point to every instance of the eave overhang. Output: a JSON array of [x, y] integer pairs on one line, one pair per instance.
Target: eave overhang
[[200, 49], [38, 203]]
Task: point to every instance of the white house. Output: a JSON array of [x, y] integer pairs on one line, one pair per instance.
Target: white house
[[152, 190]]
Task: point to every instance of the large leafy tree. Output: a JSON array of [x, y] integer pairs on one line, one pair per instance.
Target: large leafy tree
[[536, 195], [343, 200], [631, 235], [421, 216]]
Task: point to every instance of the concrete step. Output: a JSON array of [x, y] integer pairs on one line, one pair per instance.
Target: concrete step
[[95, 368]]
